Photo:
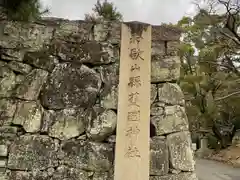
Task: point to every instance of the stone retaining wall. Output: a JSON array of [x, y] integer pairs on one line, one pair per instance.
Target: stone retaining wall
[[58, 102]]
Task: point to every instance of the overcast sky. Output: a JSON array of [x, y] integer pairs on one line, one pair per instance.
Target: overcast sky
[[150, 11]]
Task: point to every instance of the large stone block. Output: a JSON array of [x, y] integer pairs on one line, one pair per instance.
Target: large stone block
[[41, 59], [159, 162], [174, 119], [165, 69], [68, 173], [69, 86], [3, 164], [66, 28], [3, 150], [171, 94], [20, 67], [158, 49], [67, 124], [107, 31], [72, 48], [32, 84], [7, 81], [90, 156], [109, 98], [101, 125], [29, 36], [7, 110], [29, 115], [33, 152], [181, 154]]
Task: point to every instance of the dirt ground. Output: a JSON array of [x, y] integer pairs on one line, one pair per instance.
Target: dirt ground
[[230, 156]]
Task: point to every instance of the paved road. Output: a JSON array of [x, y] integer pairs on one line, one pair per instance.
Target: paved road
[[211, 170]]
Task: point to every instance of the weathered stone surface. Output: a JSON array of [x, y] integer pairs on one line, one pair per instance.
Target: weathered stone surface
[[100, 156], [36, 175], [41, 60], [170, 93], [3, 164], [3, 150], [154, 93], [72, 48], [33, 152], [236, 138], [101, 31], [64, 172], [91, 156], [80, 97], [48, 118], [109, 75], [100, 176], [7, 134], [181, 155], [7, 81], [70, 86], [7, 109], [66, 28], [32, 84], [20, 67], [174, 119], [102, 125], [12, 54], [181, 176], [157, 109], [67, 124], [158, 49], [167, 69], [29, 115], [159, 163], [109, 100], [25, 35], [20, 175]]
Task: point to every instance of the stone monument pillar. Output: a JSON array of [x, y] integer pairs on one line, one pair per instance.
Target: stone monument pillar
[[133, 136]]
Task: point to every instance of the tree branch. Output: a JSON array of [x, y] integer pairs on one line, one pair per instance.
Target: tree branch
[[227, 96]]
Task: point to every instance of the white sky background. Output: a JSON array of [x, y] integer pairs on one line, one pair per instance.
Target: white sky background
[[149, 11]]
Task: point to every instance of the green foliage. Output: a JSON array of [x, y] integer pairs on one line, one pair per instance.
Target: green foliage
[[206, 81], [23, 10], [105, 10]]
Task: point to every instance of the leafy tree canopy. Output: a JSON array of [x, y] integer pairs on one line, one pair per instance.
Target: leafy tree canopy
[[22, 9], [104, 10]]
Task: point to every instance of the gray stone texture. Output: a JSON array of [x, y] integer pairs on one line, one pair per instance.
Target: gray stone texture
[[59, 99], [180, 151]]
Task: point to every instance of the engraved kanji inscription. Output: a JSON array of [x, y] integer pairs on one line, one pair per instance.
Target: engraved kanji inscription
[[135, 54], [132, 130], [134, 81], [133, 116], [135, 39], [132, 151], [135, 67], [133, 98]]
